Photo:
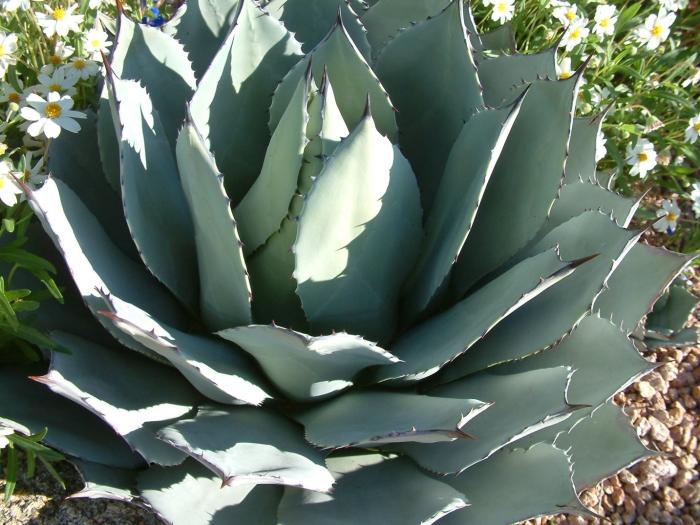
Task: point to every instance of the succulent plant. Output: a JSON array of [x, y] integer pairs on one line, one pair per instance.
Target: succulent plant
[[338, 263]]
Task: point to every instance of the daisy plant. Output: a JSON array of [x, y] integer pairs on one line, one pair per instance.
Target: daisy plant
[[668, 214]]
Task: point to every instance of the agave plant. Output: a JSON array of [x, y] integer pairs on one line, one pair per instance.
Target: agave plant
[[344, 264]]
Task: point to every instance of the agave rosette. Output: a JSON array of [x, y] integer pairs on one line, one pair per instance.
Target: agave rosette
[[344, 264]]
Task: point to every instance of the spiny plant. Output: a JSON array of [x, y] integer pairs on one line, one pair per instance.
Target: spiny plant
[[348, 264]]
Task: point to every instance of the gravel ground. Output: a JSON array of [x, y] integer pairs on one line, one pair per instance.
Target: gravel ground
[[663, 490]]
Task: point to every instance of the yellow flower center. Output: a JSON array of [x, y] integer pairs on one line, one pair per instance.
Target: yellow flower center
[[58, 13], [2, 50], [657, 30], [565, 74], [52, 110], [2, 182], [570, 15], [696, 127], [672, 217], [55, 60], [501, 7], [575, 34], [26, 174], [13, 97], [643, 157], [79, 64], [55, 87], [604, 23], [3, 148], [96, 44]]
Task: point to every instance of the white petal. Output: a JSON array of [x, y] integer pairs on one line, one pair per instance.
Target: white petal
[[30, 113], [10, 199], [74, 114], [51, 129], [36, 128], [68, 124]]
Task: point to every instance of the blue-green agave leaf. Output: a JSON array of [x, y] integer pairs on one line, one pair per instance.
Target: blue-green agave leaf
[[154, 203], [150, 56], [368, 418], [224, 287], [451, 333], [637, 283], [250, 445], [353, 254], [190, 494], [522, 403], [432, 106], [581, 158], [467, 173], [310, 21], [73, 159], [545, 319], [108, 139], [530, 483], [579, 196], [352, 78], [506, 76], [373, 490], [602, 444], [96, 265], [523, 185], [201, 27], [72, 429], [499, 40], [673, 315], [104, 482], [124, 397], [267, 202], [387, 17], [230, 106], [218, 370], [272, 267], [603, 359], [305, 367]]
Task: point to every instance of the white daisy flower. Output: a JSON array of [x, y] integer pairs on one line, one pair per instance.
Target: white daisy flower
[[565, 13], [673, 5], [502, 11], [600, 149], [59, 21], [599, 95], [12, 5], [564, 70], [668, 214], [693, 79], [96, 41], [95, 4], [51, 115], [642, 158], [33, 175], [81, 68], [11, 95], [61, 52], [60, 82], [8, 187], [693, 129], [656, 29], [695, 195], [4, 432], [8, 45], [605, 20], [576, 33]]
